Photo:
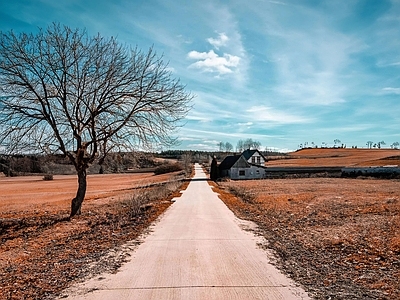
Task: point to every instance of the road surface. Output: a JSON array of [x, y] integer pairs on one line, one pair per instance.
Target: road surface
[[197, 250]]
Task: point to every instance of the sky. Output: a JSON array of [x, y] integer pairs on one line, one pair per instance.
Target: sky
[[285, 73]]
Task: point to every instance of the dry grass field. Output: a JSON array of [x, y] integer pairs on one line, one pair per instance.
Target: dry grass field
[[325, 157], [42, 252], [31, 194], [338, 237]]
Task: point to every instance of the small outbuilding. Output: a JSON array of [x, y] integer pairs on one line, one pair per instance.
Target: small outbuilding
[[248, 165]]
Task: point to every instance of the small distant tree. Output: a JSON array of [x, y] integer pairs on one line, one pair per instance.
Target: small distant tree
[[395, 145], [250, 144], [336, 142], [243, 145], [221, 146], [380, 144], [370, 144], [240, 146], [63, 91], [187, 159], [228, 147]]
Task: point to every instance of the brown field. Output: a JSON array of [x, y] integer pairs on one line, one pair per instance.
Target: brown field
[[338, 237], [42, 252], [29, 194], [338, 157]]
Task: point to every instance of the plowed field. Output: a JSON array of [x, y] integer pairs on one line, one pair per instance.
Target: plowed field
[[337, 158], [338, 237]]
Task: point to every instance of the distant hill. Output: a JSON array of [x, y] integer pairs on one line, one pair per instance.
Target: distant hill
[[338, 157]]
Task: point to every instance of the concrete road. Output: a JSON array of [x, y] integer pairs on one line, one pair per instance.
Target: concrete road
[[197, 250]]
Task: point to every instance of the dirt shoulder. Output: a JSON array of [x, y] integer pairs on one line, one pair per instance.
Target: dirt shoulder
[[42, 253], [338, 237]]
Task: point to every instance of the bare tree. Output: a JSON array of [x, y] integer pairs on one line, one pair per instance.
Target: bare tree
[[247, 144], [221, 146], [250, 144], [336, 141], [187, 162], [240, 146], [63, 91], [228, 147], [369, 144]]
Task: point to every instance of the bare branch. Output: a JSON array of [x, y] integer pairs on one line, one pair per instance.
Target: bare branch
[[64, 91]]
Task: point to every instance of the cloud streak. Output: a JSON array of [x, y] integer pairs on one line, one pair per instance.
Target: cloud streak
[[219, 42], [270, 115]]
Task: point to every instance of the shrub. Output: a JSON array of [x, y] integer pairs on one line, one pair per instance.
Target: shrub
[[48, 177], [142, 198], [243, 194], [168, 168]]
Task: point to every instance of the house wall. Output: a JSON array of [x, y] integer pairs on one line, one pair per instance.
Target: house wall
[[225, 173], [251, 172], [258, 159]]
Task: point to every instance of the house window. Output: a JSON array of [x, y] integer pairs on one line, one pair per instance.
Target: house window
[[242, 173], [259, 160], [258, 172], [253, 160]]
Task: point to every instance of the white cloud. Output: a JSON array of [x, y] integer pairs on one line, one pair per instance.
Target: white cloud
[[311, 60], [277, 2], [227, 57], [198, 116], [203, 147], [220, 41], [245, 124], [268, 114], [188, 139], [391, 90], [213, 142], [213, 63]]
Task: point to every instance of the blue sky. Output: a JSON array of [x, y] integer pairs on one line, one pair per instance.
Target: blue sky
[[280, 72]]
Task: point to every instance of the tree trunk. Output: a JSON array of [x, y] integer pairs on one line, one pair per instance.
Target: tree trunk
[[76, 203]]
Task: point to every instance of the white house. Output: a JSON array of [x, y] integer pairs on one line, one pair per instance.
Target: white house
[[248, 165]]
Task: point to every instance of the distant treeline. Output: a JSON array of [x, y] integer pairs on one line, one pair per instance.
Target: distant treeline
[[13, 165], [117, 162], [198, 156]]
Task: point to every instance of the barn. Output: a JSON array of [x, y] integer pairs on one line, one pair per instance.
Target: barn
[[247, 165]]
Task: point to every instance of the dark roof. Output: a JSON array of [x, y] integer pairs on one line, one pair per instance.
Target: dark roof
[[228, 162], [249, 153]]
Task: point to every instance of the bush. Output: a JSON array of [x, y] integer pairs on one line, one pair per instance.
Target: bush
[[168, 168], [142, 198], [243, 194], [48, 177]]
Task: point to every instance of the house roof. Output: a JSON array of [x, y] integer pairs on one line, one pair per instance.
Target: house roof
[[228, 162], [249, 153]]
